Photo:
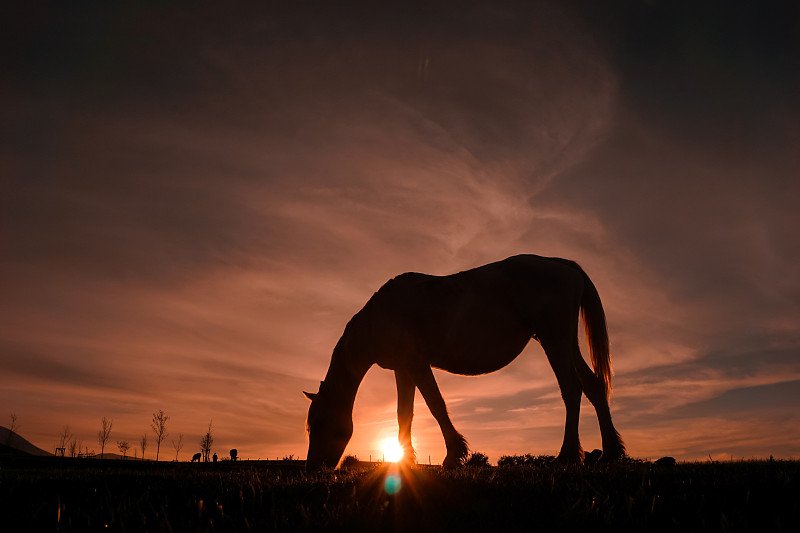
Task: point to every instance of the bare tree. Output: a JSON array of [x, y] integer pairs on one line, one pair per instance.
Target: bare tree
[[74, 448], [123, 447], [159, 426], [63, 438], [104, 435], [205, 443], [12, 429], [178, 445], [143, 443]]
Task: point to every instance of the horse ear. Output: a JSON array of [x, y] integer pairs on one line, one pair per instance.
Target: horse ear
[[312, 395]]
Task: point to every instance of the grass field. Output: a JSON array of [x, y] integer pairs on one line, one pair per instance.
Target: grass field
[[54, 494]]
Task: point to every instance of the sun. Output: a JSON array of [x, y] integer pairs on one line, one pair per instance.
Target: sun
[[391, 450]]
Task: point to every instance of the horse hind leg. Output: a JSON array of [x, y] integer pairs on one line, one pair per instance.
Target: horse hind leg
[[405, 413], [613, 447], [559, 356], [455, 442]]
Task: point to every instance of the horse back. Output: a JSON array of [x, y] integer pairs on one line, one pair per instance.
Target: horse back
[[472, 322]]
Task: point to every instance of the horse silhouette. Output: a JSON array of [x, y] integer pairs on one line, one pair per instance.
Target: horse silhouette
[[470, 323]]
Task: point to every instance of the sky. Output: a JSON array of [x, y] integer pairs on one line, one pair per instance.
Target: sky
[[196, 197]]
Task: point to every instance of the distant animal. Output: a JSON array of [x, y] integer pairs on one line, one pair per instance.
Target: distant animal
[[470, 323], [196, 457], [234, 454], [665, 461]]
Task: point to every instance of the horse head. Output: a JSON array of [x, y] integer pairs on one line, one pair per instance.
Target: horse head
[[329, 426]]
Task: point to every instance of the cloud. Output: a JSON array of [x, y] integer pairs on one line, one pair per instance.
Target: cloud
[[772, 397]]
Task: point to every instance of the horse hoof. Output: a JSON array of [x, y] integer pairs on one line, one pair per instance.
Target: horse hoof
[[570, 458], [450, 463], [407, 462], [609, 458]]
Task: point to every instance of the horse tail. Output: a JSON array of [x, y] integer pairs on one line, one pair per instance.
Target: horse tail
[[594, 324]]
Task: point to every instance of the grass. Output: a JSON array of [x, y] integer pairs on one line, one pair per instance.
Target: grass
[[80, 495]]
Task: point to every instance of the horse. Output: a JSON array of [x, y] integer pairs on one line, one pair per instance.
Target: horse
[[469, 323]]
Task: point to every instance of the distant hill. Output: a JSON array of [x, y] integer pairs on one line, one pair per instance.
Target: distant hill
[[11, 444]]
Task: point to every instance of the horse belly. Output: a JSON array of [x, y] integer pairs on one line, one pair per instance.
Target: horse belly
[[480, 352], [462, 325]]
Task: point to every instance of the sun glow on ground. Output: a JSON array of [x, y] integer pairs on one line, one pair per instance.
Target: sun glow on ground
[[391, 450]]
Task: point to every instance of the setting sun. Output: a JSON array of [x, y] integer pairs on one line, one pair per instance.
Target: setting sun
[[391, 450]]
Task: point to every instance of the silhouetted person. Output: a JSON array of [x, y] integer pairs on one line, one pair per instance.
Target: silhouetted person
[[215, 457]]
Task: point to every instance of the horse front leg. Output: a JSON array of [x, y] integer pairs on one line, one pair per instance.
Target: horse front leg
[[455, 442], [405, 413]]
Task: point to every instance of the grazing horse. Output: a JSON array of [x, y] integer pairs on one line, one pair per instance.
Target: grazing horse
[[470, 323]]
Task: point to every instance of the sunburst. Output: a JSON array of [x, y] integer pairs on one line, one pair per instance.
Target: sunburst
[[391, 449]]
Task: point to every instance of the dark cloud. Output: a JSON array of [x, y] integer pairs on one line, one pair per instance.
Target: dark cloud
[[62, 365], [745, 402], [733, 364], [717, 68]]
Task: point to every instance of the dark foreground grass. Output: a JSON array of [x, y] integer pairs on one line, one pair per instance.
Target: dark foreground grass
[[81, 495]]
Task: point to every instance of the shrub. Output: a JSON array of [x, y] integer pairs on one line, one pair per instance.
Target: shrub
[[525, 460], [477, 459], [350, 461]]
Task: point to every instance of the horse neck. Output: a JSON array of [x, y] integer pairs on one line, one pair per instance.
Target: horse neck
[[344, 377]]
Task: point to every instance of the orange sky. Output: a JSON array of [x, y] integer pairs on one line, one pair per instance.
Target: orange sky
[[195, 203]]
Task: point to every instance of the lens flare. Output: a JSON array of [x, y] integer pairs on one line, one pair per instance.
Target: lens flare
[[391, 449], [392, 483]]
